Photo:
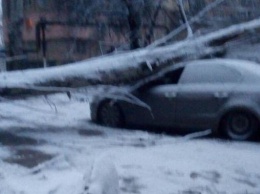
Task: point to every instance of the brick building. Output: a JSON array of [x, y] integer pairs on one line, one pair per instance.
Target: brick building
[[64, 43]]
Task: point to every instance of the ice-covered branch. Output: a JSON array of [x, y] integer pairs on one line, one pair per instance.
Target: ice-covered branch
[[177, 31], [183, 13]]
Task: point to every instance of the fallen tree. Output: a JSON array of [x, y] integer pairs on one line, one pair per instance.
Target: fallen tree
[[129, 66]]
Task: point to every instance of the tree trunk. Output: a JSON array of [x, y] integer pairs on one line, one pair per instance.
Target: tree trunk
[[135, 8], [126, 67], [150, 33]]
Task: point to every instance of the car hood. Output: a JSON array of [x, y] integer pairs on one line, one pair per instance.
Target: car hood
[[118, 93]]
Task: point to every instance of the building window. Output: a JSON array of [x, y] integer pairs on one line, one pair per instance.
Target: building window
[[81, 46]]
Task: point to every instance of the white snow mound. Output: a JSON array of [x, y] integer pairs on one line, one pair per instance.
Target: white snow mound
[[104, 177]]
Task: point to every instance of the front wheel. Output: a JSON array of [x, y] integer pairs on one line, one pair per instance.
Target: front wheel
[[240, 125], [110, 114]]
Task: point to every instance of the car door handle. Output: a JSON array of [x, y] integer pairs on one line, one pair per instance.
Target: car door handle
[[221, 95], [170, 94]]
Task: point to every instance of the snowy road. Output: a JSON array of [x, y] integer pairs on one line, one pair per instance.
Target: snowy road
[[48, 147]]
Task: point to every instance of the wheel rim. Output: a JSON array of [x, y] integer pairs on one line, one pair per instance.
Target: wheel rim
[[110, 115], [240, 126]]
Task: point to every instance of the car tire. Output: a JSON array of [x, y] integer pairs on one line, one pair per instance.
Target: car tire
[[110, 114], [240, 125]]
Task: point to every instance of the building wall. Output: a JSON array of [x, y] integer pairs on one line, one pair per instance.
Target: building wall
[[64, 44], [67, 44], [234, 11]]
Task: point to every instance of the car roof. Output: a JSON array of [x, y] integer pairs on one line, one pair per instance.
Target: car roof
[[243, 64], [249, 70]]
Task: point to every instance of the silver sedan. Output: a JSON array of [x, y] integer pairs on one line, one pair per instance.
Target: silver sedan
[[218, 94]]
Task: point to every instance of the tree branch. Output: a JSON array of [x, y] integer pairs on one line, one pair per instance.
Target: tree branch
[[177, 31]]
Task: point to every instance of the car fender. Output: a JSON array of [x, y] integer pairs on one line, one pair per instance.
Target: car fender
[[240, 104]]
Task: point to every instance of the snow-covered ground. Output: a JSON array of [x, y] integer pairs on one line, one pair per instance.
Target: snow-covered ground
[[48, 146]]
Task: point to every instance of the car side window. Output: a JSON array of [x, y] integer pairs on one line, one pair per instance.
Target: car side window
[[170, 77], [213, 73]]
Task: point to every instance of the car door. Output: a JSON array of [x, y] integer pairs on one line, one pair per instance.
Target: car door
[[162, 101], [198, 104], [203, 90], [160, 95]]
